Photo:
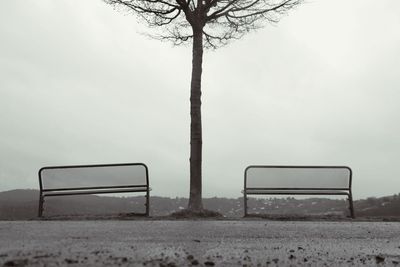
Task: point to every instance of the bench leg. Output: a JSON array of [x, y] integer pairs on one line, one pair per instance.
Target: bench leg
[[41, 202], [351, 206], [245, 204], [148, 203]]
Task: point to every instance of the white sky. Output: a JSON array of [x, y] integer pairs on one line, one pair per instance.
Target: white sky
[[79, 84]]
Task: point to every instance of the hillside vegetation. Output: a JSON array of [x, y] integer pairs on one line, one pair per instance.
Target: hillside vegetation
[[23, 204]]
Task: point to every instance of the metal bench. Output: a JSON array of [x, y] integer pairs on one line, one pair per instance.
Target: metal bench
[[298, 180], [94, 179]]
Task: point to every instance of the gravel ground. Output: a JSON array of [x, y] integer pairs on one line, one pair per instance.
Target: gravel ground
[[199, 242]]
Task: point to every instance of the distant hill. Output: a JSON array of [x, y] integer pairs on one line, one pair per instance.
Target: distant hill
[[23, 205]]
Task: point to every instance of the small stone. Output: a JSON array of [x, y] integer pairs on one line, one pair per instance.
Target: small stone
[[292, 257], [70, 261], [209, 263], [195, 262], [379, 259], [190, 257], [10, 263]]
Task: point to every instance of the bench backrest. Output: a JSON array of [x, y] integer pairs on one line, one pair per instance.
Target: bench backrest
[[298, 177], [93, 177]]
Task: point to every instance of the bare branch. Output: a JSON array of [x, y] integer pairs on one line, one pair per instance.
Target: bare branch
[[172, 15], [154, 12], [231, 19]]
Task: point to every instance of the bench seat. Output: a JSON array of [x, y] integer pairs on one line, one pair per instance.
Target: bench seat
[[296, 192], [98, 191]]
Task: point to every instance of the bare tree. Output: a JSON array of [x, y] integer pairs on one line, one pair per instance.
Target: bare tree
[[207, 24]]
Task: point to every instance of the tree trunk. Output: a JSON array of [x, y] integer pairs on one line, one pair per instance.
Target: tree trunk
[[196, 140]]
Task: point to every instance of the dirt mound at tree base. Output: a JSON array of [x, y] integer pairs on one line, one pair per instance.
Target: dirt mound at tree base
[[189, 214]]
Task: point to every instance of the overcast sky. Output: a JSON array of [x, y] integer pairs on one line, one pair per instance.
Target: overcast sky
[[80, 84]]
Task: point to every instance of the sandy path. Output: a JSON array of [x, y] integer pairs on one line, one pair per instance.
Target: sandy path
[[202, 243]]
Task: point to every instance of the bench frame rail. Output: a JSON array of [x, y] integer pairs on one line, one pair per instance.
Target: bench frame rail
[[135, 188], [298, 191]]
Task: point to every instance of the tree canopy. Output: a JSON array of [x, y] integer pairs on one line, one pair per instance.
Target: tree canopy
[[219, 20]]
